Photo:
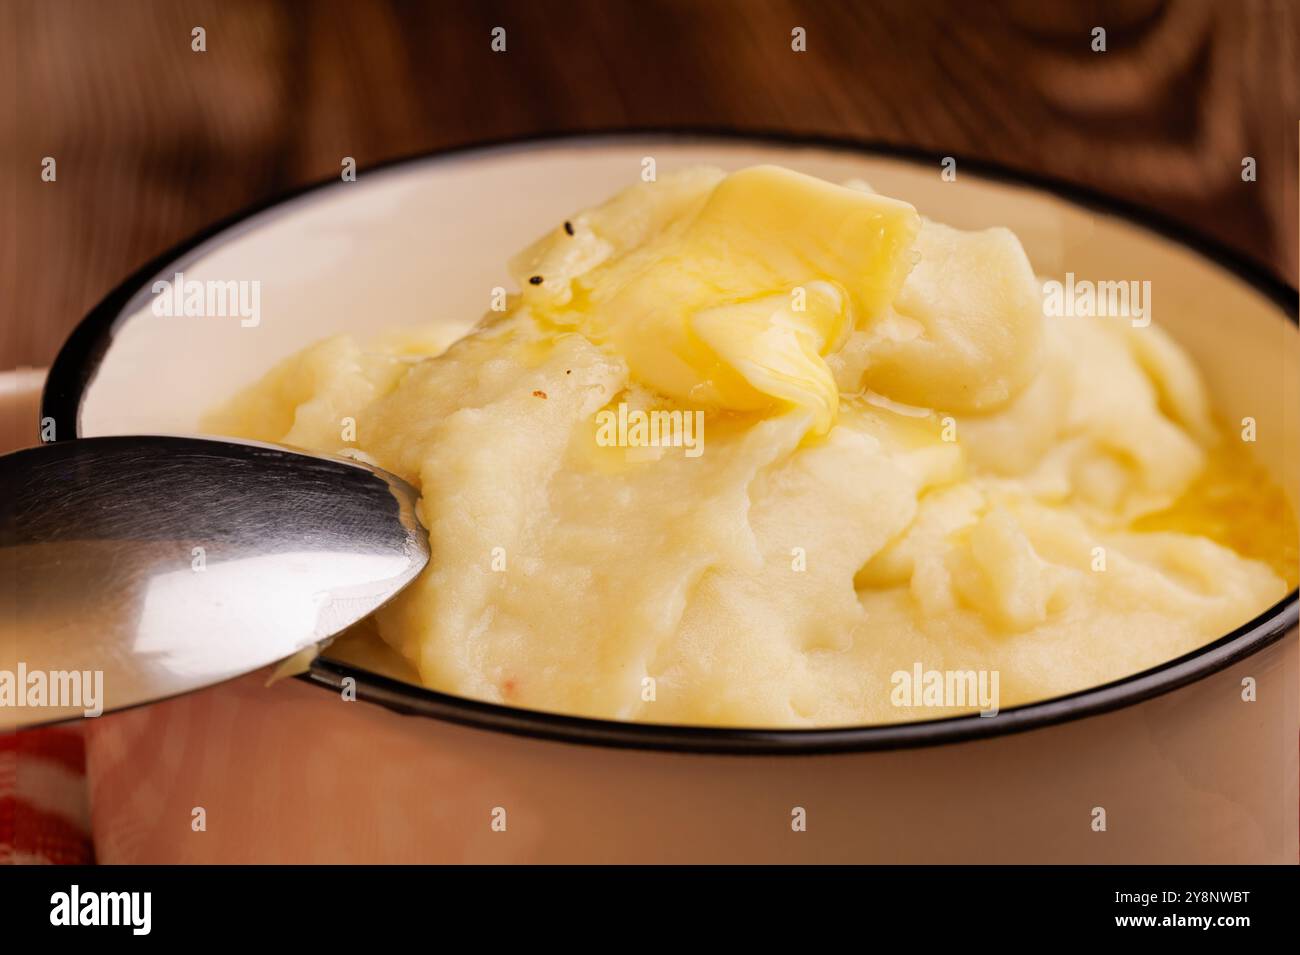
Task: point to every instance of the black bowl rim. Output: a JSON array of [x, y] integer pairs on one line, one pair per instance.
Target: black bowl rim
[[78, 361]]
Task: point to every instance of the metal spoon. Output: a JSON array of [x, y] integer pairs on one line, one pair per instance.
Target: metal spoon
[[152, 566]]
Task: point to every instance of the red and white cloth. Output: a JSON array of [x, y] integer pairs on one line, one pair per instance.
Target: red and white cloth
[[44, 809]]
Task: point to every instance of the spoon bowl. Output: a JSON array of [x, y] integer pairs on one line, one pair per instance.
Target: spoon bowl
[[137, 568]]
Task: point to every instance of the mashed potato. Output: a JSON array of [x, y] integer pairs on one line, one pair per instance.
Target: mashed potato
[[874, 459]]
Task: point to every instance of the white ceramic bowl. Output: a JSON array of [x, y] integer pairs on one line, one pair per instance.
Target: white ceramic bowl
[[1185, 769]]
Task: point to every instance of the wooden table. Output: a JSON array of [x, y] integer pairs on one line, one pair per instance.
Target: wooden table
[[153, 140]]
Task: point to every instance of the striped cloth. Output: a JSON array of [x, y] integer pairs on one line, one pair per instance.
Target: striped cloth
[[44, 809]]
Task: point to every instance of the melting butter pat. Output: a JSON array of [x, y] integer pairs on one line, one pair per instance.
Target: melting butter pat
[[736, 307]]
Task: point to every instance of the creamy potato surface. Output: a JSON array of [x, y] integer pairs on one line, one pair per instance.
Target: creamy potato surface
[[744, 448]]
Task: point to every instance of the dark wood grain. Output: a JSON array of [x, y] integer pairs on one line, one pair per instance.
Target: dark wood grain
[[153, 141]]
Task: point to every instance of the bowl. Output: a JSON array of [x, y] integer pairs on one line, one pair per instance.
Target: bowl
[[1174, 764]]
